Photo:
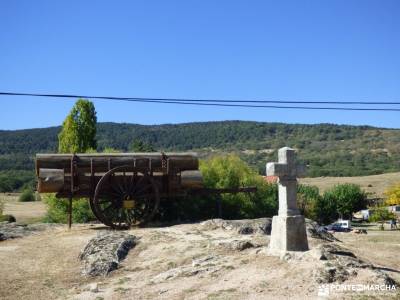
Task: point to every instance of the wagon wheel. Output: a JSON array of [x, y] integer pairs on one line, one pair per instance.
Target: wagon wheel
[[124, 198]]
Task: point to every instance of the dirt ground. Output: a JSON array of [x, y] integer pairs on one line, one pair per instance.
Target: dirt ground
[[46, 265]]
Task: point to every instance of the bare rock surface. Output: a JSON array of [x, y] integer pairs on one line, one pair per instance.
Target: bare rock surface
[[208, 264], [190, 261], [254, 226], [340, 264], [103, 253], [15, 230], [264, 226]]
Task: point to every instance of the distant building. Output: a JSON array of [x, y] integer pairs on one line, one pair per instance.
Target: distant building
[[365, 213], [395, 209]]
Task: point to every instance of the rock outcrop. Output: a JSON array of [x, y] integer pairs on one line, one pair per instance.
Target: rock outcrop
[[317, 231], [14, 230], [208, 264], [340, 264], [246, 226], [103, 253]]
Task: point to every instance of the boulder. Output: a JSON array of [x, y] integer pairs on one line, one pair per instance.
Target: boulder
[[103, 253]]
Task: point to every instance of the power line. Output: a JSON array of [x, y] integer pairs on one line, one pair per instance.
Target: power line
[[201, 100], [223, 102]]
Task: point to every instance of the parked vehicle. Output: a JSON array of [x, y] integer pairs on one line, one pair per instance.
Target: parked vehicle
[[339, 226]]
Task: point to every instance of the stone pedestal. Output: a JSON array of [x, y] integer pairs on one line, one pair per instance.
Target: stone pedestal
[[288, 227], [288, 234]]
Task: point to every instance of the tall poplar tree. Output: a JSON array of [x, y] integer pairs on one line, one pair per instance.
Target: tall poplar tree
[[78, 133]]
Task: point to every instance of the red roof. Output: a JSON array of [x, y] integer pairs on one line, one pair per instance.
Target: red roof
[[271, 179]]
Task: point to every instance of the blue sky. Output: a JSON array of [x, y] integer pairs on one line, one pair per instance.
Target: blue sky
[[288, 50]]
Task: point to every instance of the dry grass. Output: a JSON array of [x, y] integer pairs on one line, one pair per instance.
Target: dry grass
[[24, 212], [374, 184]]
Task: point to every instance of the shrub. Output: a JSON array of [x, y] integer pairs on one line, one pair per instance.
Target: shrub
[[224, 172], [57, 210], [7, 218], [1, 206], [231, 172], [27, 196]]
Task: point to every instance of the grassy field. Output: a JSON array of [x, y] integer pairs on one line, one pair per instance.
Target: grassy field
[[375, 184]]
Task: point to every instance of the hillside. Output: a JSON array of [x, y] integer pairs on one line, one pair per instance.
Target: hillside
[[328, 150], [374, 185]]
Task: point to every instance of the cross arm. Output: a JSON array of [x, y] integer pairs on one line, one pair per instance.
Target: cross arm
[[282, 170], [276, 169]]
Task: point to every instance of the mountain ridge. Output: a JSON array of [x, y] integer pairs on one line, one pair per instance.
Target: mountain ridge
[[327, 149]]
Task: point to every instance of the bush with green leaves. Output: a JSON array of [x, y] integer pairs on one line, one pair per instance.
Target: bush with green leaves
[[57, 210], [224, 172], [232, 172], [308, 198], [347, 198], [27, 196], [325, 210], [7, 218], [1, 206]]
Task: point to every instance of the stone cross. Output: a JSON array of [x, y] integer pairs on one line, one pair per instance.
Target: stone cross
[[288, 227], [287, 171]]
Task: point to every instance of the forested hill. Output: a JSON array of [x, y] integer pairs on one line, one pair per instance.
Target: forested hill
[[336, 150]]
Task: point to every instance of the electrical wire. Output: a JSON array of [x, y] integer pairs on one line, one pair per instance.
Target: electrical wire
[[224, 102]]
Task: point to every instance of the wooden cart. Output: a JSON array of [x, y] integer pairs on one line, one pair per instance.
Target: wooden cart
[[124, 189]]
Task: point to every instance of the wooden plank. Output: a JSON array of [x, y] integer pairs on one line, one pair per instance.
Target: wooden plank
[[177, 161]]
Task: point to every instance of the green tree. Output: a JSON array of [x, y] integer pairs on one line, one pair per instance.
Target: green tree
[[307, 199], [348, 198], [325, 210], [78, 133]]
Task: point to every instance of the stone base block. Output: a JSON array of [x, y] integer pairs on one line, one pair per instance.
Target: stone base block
[[288, 234]]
